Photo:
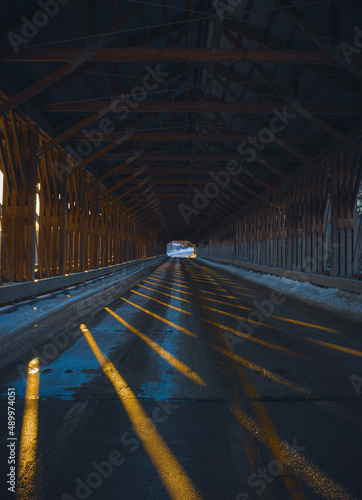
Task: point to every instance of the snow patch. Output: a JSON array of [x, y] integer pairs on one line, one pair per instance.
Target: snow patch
[[343, 303], [29, 312]]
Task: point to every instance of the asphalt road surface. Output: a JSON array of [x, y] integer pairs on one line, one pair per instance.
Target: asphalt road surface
[[195, 384]]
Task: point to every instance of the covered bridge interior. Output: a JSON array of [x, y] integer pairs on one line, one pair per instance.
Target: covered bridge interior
[[165, 167]]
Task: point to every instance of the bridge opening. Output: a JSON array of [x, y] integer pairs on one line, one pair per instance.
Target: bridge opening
[[178, 248]]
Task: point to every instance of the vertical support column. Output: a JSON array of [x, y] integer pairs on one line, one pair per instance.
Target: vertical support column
[[270, 236], [316, 202], [31, 205], [83, 209], [60, 165], [295, 233], [96, 226], [346, 179], [18, 156], [105, 232], [127, 235], [279, 230]]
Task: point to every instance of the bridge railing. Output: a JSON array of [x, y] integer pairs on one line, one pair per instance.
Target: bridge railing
[[30, 289], [312, 227]]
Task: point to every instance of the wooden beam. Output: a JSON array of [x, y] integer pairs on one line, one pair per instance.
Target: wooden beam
[[272, 43], [16, 147], [320, 41], [232, 75], [308, 115], [277, 171], [72, 63], [31, 202], [254, 193], [254, 34], [8, 155], [125, 181], [41, 85], [92, 158], [126, 193], [304, 159], [176, 172], [146, 54], [117, 168], [198, 137], [100, 112], [201, 107]]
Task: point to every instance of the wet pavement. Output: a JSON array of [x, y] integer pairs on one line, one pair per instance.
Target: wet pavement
[[195, 384]]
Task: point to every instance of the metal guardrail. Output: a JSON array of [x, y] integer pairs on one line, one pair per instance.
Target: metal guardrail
[[17, 291], [349, 285]]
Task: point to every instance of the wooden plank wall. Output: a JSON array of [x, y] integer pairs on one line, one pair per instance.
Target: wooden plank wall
[[18, 149], [311, 228], [77, 228], [346, 179]]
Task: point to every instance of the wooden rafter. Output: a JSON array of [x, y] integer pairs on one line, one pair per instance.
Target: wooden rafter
[[320, 41], [146, 54], [307, 114], [204, 107], [71, 65]]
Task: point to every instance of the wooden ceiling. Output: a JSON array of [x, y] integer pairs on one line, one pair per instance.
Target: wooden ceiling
[[152, 96]]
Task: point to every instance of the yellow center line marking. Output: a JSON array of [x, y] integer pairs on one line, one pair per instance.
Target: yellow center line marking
[[197, 276], [230, 281], [289, 320], [168, 468], [255, 339], [163, 303], [261, 414], [163, 293], [208, 282], [172, 272], [27, 462], [240, 317], [330, 345], [228, 304], [180, 328], [303, 468], [263, 371], [158, 277], [310, 325], [169, 282], [217, 287], [271, 433], [224, 296], [168, 287], [170, 276], [236, 285], [172, 269], [176, 363]]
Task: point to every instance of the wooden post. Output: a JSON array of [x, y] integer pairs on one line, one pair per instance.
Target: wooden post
[[60, 165], [31, 205], [346, 179], [83, 219]]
